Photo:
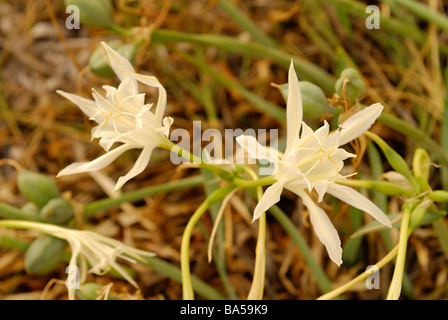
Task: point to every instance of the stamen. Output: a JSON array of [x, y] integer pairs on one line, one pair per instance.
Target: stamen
[[329, 158], [314, 165], [106, 118], [123, 102]]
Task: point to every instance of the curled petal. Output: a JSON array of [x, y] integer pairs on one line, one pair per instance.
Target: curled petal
[[269, 198], [138, 167], [167, 122], [357, 200], [359, 123], [324, 229], [153, 82], [97, 164]]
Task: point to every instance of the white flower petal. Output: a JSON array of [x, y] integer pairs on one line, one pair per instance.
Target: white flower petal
[[357, 200], [324, 229], [294, 110], [121, 66], [341, 155], [167, 122], [322, 133], [97, 164], [87, 106], [139, 166], [153, 82], [269, 198], [256, 150], [359, 123], [306, 131], [321, 188]]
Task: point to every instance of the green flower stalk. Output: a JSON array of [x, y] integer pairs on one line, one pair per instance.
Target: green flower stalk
[[257, 287], [187, 287], [382, 186], [405, 230], [394, 159]]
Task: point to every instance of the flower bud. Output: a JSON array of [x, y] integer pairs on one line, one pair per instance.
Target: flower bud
[[397, 179], [44, 255], [354, 87], [438, 195], [418, 213], [97, 13], [36, 187], [57, 211], [98, 63], [91, 291], [421, 164], [32, 210], [394, 159], [315, 104]]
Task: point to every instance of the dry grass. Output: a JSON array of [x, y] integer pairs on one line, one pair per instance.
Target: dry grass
[[43, 132]]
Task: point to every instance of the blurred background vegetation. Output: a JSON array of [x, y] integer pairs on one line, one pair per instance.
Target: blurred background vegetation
[[220, 62]]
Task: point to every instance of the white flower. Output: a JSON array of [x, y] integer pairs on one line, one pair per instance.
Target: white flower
[[123, 117], [98, 251], [314, 160]]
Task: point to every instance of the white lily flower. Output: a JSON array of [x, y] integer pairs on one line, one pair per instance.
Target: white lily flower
[[99, 251], [123, 117], [313, 161]]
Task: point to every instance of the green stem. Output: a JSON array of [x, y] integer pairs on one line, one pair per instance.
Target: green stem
[[187, 288], [273, 110], [390, 24], [437, 152], [172, 272], [265, 181], [397, 278], [257, 287], [132, 196], [121, 31], [246, 23], [187, 155], [394, 159], [306, 69], [338, 291], [385, 187], [10, 212], [256, 290], [425, 13], [218, 252]]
